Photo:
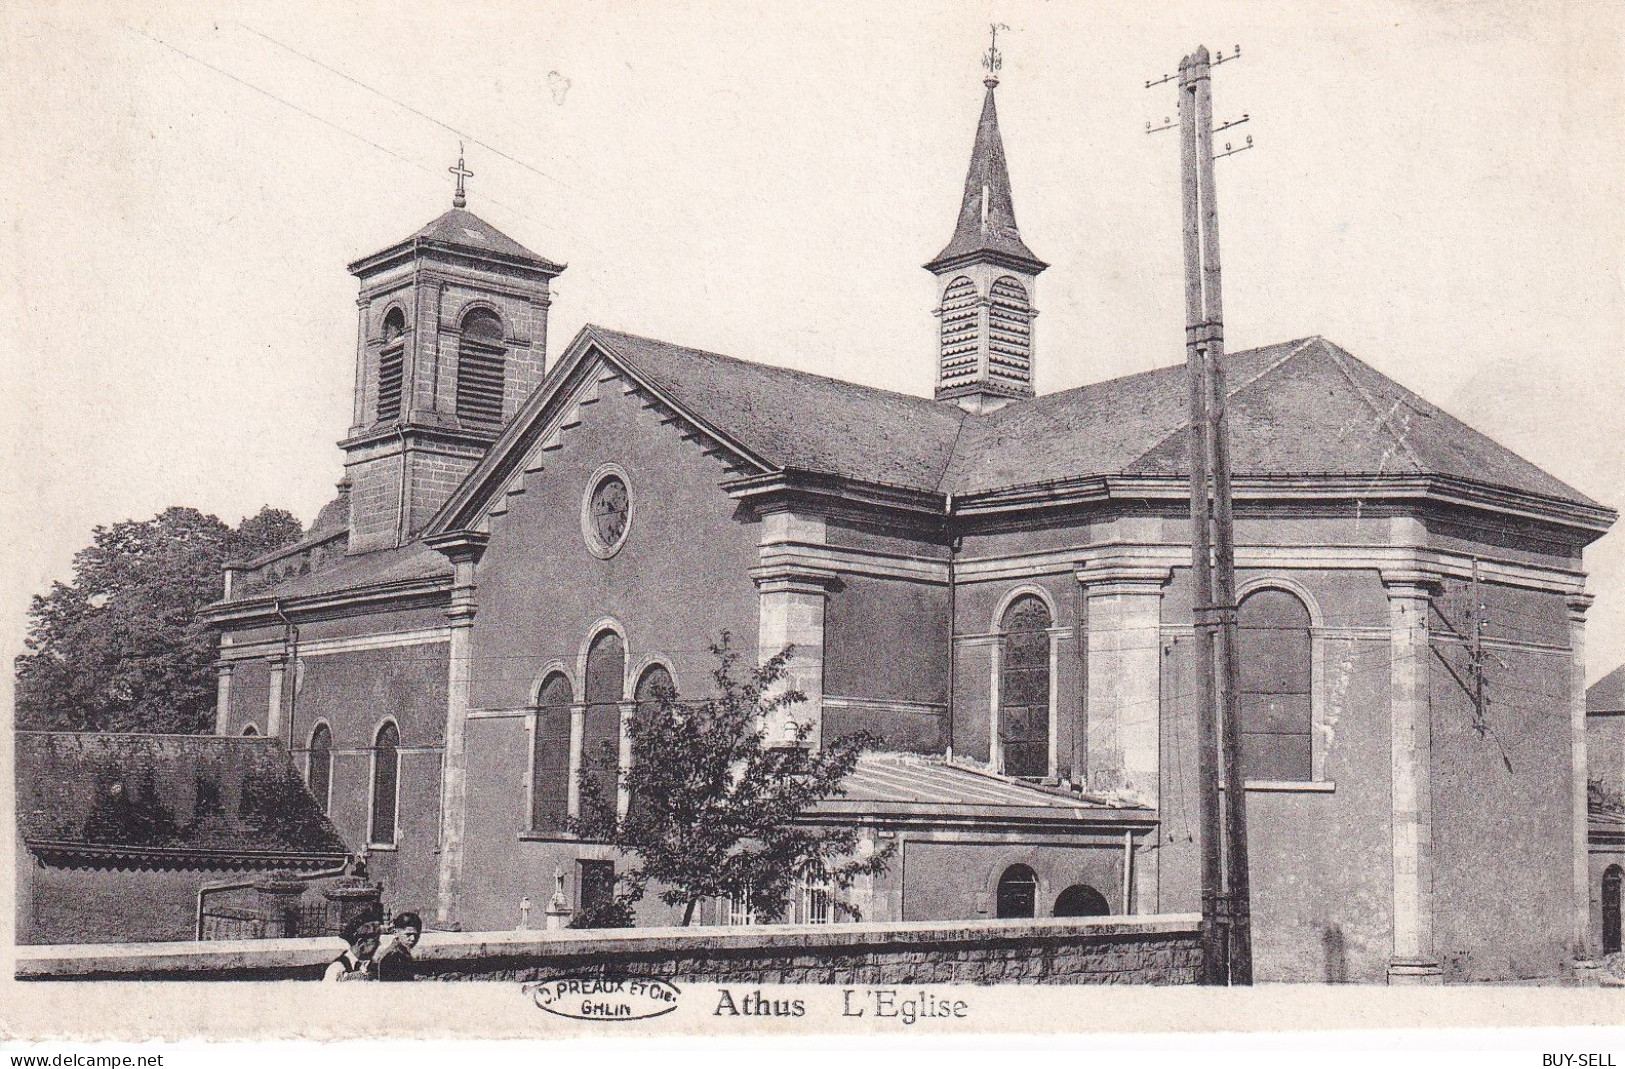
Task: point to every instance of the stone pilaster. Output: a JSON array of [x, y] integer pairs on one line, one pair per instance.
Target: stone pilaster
[[1581, 937], [790, 604], [790, 612], [623, 758], [222, 697], [578, 739], [463, 549], [273, 712], [1409, 601], [1125, 676]]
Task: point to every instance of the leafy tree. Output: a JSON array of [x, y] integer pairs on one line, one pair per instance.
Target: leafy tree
[[121, 647], [713, 804]]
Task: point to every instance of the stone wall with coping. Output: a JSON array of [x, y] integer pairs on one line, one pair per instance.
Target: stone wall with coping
[[1098, 950]]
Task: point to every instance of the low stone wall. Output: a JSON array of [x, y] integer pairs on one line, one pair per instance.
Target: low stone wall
[[1098, 950]]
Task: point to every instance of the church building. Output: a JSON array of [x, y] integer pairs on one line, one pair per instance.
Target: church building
[[995, 582]]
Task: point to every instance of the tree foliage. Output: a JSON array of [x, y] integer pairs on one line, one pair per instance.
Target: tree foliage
[[121, 647], [714, 806]]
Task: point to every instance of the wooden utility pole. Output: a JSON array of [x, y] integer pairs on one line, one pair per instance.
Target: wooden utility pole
[[1215, 936], [1226, 883]]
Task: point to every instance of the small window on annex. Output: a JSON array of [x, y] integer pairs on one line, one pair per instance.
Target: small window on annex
[[550, 758], [1275, 651], [386, 777]]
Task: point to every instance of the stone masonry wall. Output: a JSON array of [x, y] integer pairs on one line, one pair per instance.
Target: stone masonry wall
[[1141, 950]]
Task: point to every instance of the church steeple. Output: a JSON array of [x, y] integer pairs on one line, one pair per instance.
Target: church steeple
[[985, 278]]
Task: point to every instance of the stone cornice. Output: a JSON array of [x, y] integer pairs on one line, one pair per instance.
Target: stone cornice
[[824, 491], [1122, 575], [503, 263], [1304, 487], [1411, 582], [460, 546], [262, 611], [793, 579]]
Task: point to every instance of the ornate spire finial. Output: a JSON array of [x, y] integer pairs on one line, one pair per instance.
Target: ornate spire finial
[[993, 60], [460, 198]]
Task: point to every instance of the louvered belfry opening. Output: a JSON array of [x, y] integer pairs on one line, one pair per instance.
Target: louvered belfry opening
[[959, 335], [480, 370], [1009, 332], [391, 364]]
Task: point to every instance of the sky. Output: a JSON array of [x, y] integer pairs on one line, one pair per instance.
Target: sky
[[1437, 187]]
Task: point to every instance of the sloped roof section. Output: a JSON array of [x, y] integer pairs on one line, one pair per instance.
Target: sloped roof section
[[1301, 407], [1298, 408], [883, 782], [1607, 695], [793, 419], [157, 796], [382, 567], [461, 228]]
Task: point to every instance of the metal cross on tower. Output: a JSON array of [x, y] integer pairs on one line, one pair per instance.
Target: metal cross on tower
[[460, 198]]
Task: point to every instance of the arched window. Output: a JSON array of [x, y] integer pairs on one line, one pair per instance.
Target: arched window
[[1018, 892], [959, 342], [249, 731], [654, 684], [601, 730], [550, 758], [1275, 652], [1081, 900], [319, 765], [1610, 909], [1024, 688], [480, 367], [1009, 332], [391, 361], [386, 778]]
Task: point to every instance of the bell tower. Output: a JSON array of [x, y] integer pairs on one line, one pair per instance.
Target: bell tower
[[451, 338], [985, 279]]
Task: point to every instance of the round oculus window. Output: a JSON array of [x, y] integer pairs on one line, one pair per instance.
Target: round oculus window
[[607, 513]]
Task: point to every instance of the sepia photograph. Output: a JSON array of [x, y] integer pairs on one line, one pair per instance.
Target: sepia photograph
[[609, 502]]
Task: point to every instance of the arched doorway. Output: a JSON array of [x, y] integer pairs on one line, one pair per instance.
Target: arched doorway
[[1018, 892], [1081, 900], [1610, 909]]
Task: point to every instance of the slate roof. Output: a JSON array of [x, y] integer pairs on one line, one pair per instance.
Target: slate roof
[[147, 798], [993, 229], [926, 785], [378, 568], [1607, 695], [460, 228], [797, 419], [1299, 407]]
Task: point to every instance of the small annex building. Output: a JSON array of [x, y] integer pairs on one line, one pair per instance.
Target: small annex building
[[116, 833], [1605, 750], [994, 581]]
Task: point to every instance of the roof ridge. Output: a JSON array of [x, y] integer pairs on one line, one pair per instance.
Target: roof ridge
[[1365, 395], [777, 368], [1298, 346]]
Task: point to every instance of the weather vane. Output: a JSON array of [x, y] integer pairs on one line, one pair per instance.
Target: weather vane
[[993, 61], [460, 198]]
